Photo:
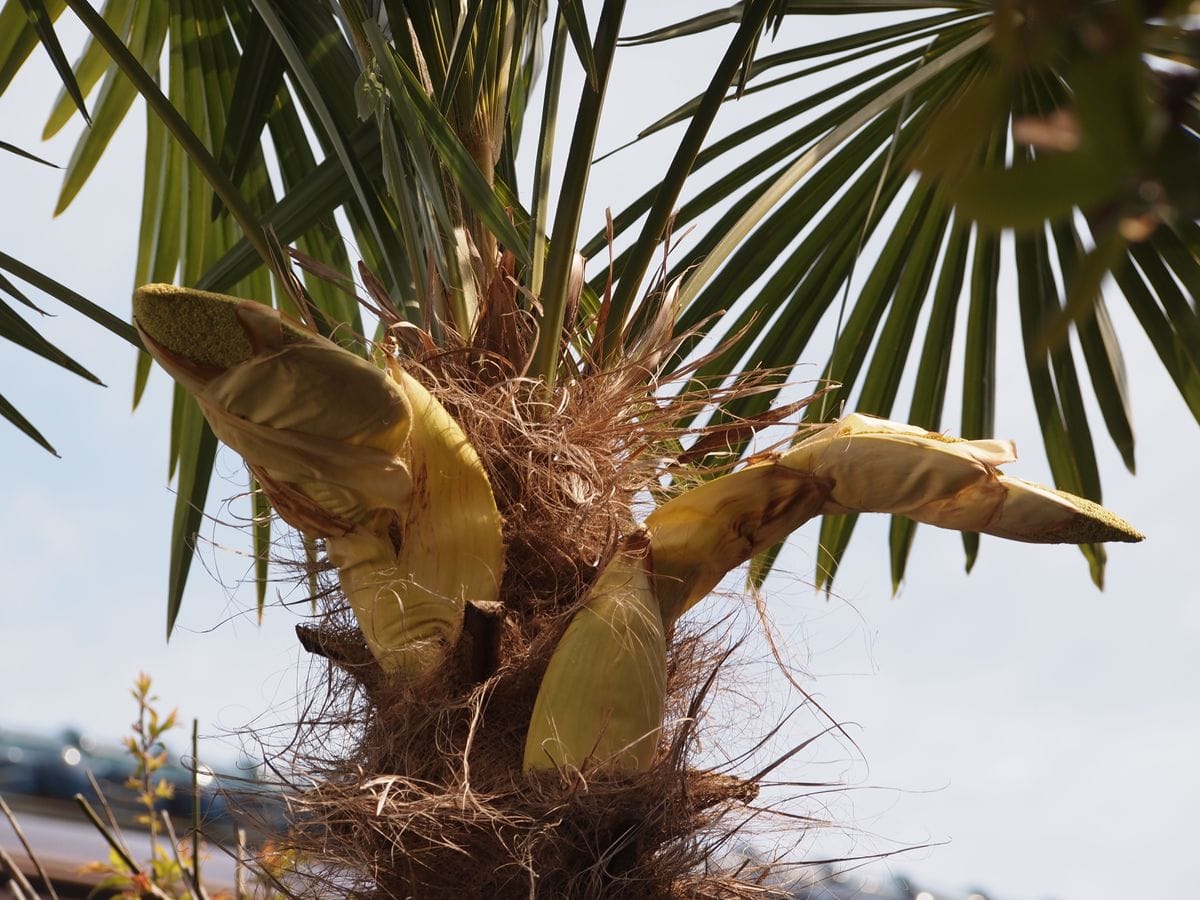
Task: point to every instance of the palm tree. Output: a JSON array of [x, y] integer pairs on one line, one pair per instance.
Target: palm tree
[[541, 405]]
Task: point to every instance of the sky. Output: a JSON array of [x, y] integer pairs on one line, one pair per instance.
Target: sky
[[1038, 734]]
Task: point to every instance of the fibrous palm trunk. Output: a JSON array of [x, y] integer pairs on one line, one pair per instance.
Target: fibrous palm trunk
[[517, 693]]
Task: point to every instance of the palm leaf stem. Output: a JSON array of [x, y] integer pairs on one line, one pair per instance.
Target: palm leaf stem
[[657, 220], [544, 363], [545, 155]]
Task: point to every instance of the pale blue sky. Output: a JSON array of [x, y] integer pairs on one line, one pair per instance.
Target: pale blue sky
[[1045, 730]]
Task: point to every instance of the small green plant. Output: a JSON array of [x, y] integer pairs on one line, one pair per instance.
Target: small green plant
[[171, 870], [163, 876], [146, 747]]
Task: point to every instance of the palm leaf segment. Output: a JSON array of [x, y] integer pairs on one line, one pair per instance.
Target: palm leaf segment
[[417, 134]]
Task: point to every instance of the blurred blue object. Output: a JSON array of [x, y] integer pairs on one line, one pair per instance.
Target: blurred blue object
[[52, 769]]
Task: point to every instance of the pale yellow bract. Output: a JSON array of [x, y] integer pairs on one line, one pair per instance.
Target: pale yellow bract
[[365, 459], [603, 693]]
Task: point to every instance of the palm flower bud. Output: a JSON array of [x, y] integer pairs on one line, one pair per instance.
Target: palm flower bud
[[366, 459], [601, 700], [859, 464]]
